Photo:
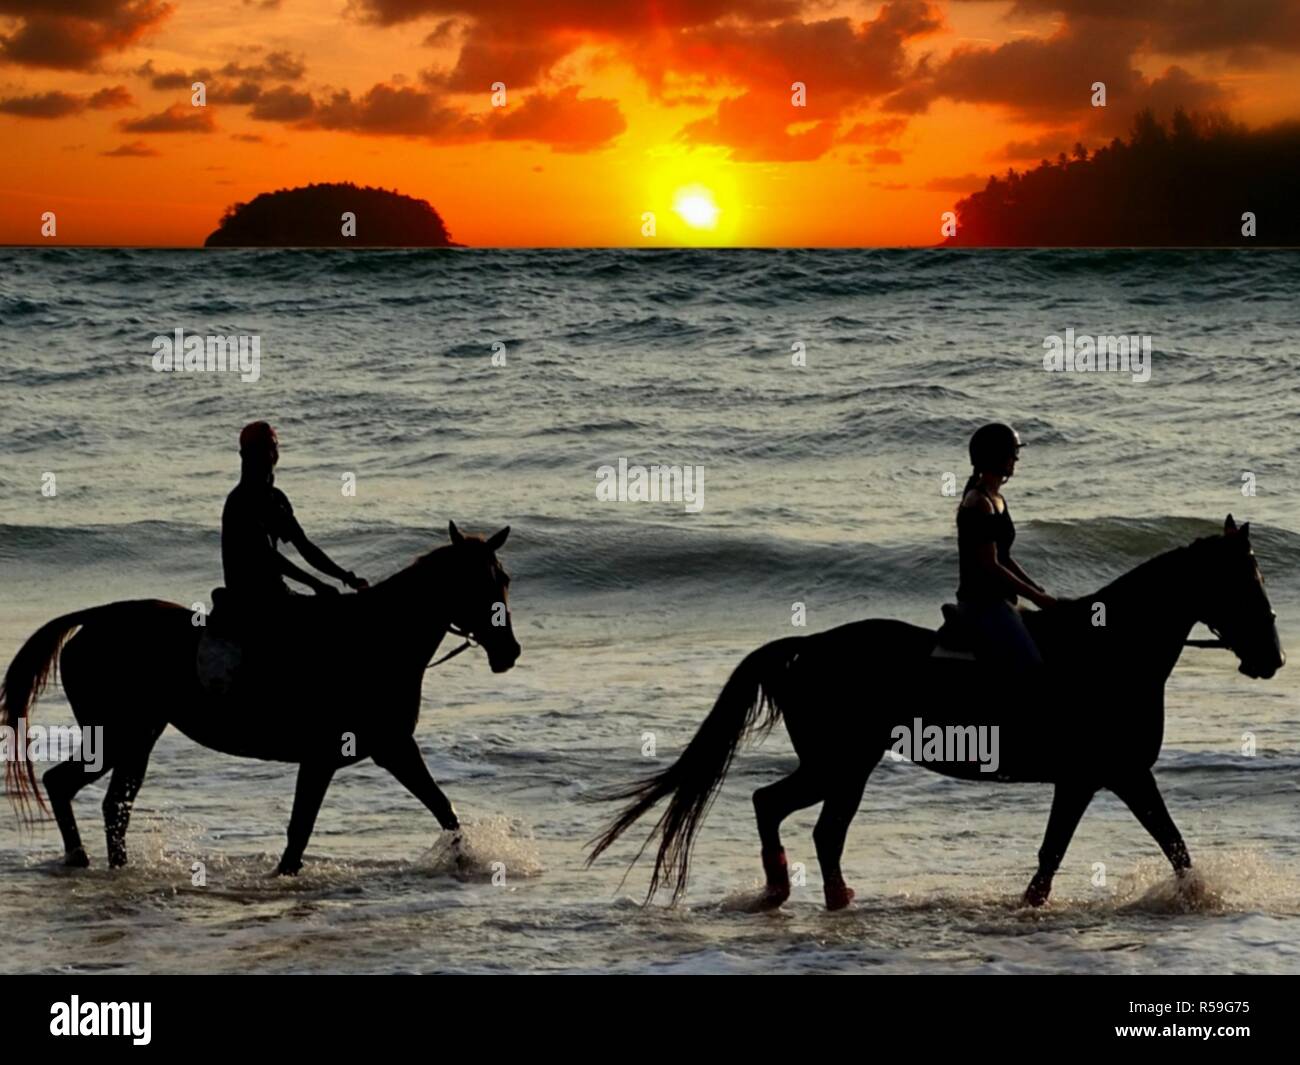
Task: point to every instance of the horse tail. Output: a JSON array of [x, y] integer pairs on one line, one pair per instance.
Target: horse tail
[[746, 705], [24, 680]]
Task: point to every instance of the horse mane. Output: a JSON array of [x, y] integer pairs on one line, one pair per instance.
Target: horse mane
[[1142, 574]]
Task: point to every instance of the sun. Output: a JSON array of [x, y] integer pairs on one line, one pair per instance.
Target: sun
[[696, 206]]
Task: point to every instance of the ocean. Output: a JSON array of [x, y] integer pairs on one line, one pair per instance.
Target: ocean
[[827, 397]]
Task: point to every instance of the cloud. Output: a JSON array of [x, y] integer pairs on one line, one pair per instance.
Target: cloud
[[234, 83], [1044, 146], [485, 58], [76, 34], [561, 120], [757, 127], [957, 183], [58, 104], [282, 104], [179, 118], [392, 111], [594, 16], [873, 132], [1050, 79], [1240, 30], [842, 64], [134, 150]]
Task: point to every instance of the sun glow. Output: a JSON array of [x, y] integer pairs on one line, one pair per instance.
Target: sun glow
[[695, 205]]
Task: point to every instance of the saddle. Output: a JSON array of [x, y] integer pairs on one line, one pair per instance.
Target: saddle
[[955, 638], [218, 659]]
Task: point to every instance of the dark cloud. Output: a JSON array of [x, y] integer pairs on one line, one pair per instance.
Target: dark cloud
[[179, 118], [134, 150], [957, 183], [594, 16], [393, 111], [75, 34], [57, 104], [561, 120], [283, 104], [1241, 30], [1050, 79]]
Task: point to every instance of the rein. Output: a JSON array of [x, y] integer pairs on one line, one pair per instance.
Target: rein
[[469, 642], [1207, 643]]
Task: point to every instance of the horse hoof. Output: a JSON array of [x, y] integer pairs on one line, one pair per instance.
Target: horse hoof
[[1037, 893], [77, 858], [287, 870], [773, 897], [838, 896]]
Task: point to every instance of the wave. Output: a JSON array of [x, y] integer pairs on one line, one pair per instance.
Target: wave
[[750, 277], [561, 557]]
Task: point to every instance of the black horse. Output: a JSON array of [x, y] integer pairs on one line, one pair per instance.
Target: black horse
[[1093, 719], [341, 683]]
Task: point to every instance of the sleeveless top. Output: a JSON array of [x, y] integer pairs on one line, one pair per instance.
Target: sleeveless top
[[974, 529]]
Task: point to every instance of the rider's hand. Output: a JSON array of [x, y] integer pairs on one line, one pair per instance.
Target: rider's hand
[[356, 583]]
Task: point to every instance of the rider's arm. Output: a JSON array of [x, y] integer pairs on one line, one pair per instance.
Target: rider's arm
[[316, 558], [1015, 568], [986, 554], [291, 532], [288, 569]]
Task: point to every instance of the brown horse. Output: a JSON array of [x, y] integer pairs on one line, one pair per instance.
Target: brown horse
[[1093, 719], [336, 679]]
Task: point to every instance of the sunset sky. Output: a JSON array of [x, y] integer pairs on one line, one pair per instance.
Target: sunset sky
[[681, 107]]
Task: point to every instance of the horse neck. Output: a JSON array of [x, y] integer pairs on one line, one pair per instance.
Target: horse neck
[[1150, 608], [409, 609]]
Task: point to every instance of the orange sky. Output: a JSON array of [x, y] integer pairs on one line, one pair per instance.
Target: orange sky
[[611, 109]]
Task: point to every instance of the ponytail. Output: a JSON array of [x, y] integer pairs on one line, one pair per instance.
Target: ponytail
[[971, 481]]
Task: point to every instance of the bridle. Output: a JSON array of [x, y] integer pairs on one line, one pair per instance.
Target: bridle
[[469, 642]]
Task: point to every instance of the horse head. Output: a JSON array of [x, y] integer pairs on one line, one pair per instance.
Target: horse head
[[478, 594], [1232, 603]]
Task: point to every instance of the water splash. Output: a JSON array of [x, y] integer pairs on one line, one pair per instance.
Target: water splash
[[484, 850]]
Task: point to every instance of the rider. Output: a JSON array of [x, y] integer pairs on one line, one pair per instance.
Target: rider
[[256, 516], [990, 578]]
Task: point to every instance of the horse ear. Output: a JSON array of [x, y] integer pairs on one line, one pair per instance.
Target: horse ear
[[1229, 526], [454, 533], [497, 539], [1244, 531]]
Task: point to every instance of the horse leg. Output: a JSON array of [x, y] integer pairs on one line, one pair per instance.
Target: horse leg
[[404, 761], [772, 805], [1069, 802], [62, 782], [1141, 795], [123, 786], [842, 798], [313, 781]]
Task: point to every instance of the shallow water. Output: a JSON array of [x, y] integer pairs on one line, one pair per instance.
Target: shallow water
[[822, 486]]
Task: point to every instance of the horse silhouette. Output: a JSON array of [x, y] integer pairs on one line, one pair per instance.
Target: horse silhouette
[[341, 682], [1093, 718]]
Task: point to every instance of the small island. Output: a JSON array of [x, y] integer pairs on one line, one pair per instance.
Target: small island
[[313, 217]]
